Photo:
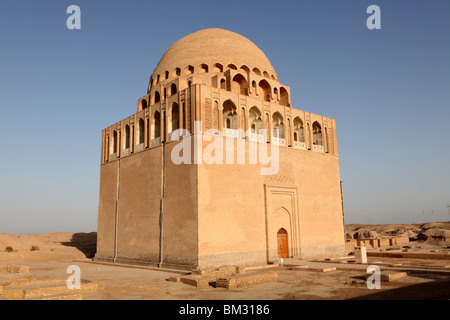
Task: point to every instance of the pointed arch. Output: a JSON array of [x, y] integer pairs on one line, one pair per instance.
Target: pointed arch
[[284, 97], [189, 70], [176, 72], [156, 125], [278, 123], [114, 146], [299, 131], [144, 104], [175, 116], [317, 134], [141, 136], [203, 68], [127, 137], [239, 84], [173, 89], [156, 97], [265, 90], [244, 69], [255, 122], [217, 67], [230, 116]]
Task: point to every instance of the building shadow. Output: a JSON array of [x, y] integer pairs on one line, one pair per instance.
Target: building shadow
[[433, 290], [85, 242]]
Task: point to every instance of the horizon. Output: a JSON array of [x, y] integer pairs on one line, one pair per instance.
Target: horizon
[[387, 90]]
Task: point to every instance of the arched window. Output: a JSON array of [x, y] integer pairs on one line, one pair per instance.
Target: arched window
[[265, 90], [127, 137], [266, 74], [244, 69], [278, 123], [203, 68], [114, 148], [308, 136], [175, 117], [156, 129], [232, 66], [230, 116], [166, 75], [143, 104], [299, 132], [157, 97], [254, 120], [256, 71], [141, 131], [284, 97], [317, 134], [239, 84], [189, 70], [176, 72], [223, 84], [173, 89], [217, 67]]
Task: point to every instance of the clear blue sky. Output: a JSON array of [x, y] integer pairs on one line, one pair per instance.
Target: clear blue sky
[[388, 89]]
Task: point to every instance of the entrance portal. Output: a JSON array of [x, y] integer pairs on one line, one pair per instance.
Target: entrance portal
[[282, 237]]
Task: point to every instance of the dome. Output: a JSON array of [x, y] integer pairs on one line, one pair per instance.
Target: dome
[[214, 46]]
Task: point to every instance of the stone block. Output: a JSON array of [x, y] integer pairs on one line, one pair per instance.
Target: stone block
[[361, 254], [196, 281], [245, 280], [392, 276], [389, 276], [383, 242], [174, 279]]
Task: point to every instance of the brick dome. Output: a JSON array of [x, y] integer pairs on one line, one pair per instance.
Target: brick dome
[[213, 50]]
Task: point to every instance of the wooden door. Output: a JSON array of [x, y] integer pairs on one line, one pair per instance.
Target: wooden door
[[282, 236]]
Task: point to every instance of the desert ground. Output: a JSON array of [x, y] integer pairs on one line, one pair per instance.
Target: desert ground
[[422, 264]]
